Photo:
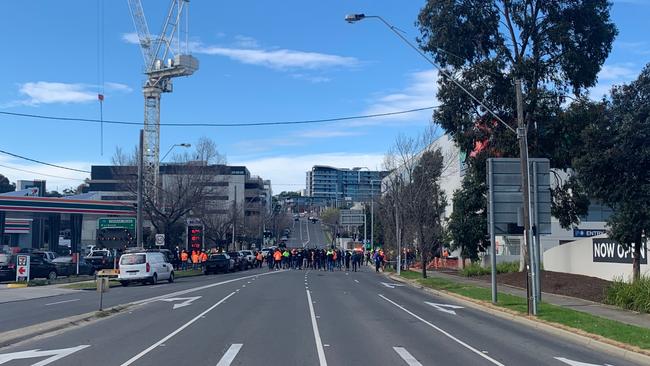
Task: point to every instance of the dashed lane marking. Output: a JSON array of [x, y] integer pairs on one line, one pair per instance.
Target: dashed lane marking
[[230, 354], [406, 356]]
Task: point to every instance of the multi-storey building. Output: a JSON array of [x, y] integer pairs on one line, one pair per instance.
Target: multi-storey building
[[336, 185]]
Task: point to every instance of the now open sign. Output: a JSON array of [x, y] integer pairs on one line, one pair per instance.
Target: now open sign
[[609, 251]]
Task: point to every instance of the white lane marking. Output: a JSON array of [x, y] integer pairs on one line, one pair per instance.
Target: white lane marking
[[314, 325], [441, 307], [185, 301], [406, 356], [61, 302], [577, 363], [443, 332], [190, 290], [230, 354], [391, 285], [170, 335], [56, 354], [357, 281]]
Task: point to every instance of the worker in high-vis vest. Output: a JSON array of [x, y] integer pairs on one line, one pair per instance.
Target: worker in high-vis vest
[[277, 259], [184, 257]]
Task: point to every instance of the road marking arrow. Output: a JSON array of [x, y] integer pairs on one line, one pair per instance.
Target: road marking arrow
[[186, 301], [391, 285], [56, 354], [578, 363], [441, 307]]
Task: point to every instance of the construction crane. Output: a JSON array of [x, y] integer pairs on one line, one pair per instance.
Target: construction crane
[[165, 57]]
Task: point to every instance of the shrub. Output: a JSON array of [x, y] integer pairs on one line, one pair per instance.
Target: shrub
[[475, 269], [633, 296]]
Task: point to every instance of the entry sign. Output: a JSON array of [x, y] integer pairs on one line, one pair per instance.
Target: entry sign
[[22, 269], [609, 251], [160, 240]]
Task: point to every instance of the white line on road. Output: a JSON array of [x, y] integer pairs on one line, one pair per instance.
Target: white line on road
[[443, 332], [406, 356], [61, 302], [314, 325], [170, 335], [230, 354], [357, 281]]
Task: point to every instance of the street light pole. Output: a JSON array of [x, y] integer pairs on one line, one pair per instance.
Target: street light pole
[[521, 133], [138, 219], [172, 147]]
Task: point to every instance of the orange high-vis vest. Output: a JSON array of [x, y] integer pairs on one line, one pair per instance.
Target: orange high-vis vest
[[277, 255], [184, 257], [259, 256], [195, 257], [204, 257]]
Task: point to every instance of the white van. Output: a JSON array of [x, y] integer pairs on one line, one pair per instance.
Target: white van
[[145, 267]]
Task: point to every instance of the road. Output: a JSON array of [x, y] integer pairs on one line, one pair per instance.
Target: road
[[302, 318], [294, 317], [305, 234]]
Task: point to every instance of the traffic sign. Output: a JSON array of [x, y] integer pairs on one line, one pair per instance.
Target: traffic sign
[[22, 269], [127, 223], [160, 240]]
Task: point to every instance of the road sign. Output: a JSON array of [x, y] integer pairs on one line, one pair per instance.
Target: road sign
[[351, 217], [127, 223], [160, 240], [445, 308], [22, 269]]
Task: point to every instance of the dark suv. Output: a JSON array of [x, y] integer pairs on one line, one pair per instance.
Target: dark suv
[[240, 261]]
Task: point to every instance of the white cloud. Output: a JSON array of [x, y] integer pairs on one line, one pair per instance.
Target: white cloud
[[281, 59], [610, 75], [287, 173], [419, 93], [45, 92], [327, 133], [131, 38], [246, 42]]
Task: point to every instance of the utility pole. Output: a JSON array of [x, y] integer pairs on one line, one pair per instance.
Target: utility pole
[[398, 237], [140, 187], [372, 215], [522, 132], [234, 219]]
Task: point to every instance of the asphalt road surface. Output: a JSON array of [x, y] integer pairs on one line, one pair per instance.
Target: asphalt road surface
[[300, 318], [305, 234]]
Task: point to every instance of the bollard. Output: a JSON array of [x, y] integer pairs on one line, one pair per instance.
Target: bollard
[[102, 286]]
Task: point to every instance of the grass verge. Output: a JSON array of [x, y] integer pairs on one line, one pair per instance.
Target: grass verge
[[475, 269], [617, 331], [188, 273], [630, 295]]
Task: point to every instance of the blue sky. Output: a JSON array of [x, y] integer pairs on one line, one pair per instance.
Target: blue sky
[[259, 61]]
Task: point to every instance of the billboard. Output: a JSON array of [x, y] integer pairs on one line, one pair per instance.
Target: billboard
[[608, 251]]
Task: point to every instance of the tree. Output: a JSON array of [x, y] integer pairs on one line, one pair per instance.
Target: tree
[[614, 168], [467, 222], [556, 47], [6, 185]]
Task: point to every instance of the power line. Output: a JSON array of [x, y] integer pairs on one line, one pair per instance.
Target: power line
[[207, 124], [37, 173], [42, 162]]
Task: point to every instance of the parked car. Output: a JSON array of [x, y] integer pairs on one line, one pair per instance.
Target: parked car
[[220, 262], [240, 262], [48, 256], [38, 267], [145, 267], [265, 251], [67, 267], [7, 268], [101, 259], [169, 255], [249, 257]]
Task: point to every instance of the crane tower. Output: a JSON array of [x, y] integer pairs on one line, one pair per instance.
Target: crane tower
[[165, 56]]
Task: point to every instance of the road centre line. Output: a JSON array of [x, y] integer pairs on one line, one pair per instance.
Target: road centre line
[[170, 335], [230, 354], [406, 356], [61, 302], [314, 325], [190, 290], [448, 335]]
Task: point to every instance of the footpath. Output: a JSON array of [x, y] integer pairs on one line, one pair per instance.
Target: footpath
[[27, 293], [585, 306]]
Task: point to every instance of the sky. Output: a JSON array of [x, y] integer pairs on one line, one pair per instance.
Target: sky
[[260, 61]]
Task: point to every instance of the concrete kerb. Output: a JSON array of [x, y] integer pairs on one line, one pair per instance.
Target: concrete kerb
[[589, 340], [46, 328]]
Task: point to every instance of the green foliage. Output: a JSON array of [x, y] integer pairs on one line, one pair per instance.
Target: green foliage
[[614, 167], [632, 296], [569, 202], [555, 47], [468, 222], [6, 185], [330, 216], [476, 269]]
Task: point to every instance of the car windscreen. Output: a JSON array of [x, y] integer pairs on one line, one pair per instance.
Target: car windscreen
[[62, 260], [4, 258], [128, 259], [217, 256]]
